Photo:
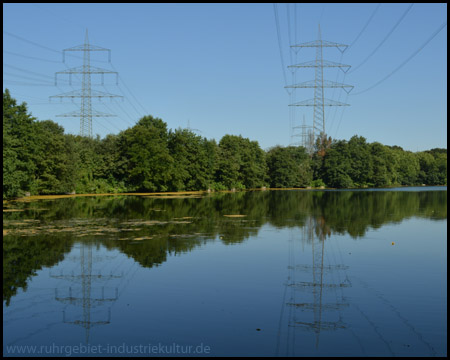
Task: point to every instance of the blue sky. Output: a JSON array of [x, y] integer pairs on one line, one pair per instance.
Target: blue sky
[[218, 67]]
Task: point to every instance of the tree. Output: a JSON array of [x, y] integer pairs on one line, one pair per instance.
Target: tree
[[149, 166], [191, 170], [337, 166], [54, 173], [407, 168], [19, 147], [361, 171], [288, 167], [241, 163]]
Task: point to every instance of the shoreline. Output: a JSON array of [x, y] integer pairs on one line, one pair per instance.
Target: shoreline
[[175, 194]]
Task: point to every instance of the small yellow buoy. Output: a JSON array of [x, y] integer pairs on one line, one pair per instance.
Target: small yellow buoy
[[393, 243]]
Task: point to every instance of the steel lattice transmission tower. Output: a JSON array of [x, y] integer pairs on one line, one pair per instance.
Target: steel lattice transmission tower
[[319, 102], [86, 93]]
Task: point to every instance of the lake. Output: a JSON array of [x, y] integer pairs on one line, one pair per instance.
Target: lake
[[257, 273]]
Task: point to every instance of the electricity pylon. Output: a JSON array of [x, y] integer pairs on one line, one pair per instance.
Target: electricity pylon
[[86, 93], [189, 127], [319, 101]]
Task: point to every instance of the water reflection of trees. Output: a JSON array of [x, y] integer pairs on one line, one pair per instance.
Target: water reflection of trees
[[23, 256], [342, 212]]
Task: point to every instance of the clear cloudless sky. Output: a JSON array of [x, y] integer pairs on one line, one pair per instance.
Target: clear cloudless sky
[[218, 69]]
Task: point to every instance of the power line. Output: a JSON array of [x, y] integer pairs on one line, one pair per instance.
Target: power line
[[364, 27], [86, 93], [289, 30], [30, 42], [103, 103], [279, 41], [30, 57], [321, 14], [22, 76], [354, 41], [27, 71], [295, 23], [134, 97], [133, 121], [385, 38], [30, 97], [40, 45], [120, 118], [20, 83], [342, 54], [134, 107], [342, 115], [293, 75], [408, 59], [74, 56], [110, 123]]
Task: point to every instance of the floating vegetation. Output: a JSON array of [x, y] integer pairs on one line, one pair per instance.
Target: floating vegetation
[[154, 222], [143, 222], [135, 238], [235, 216], [174, 196], [82, 227], [181, 235]]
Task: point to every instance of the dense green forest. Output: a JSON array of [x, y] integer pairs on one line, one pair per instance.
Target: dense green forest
[[38, 158]]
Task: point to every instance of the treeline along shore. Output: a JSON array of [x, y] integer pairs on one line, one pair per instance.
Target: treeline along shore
[[39, 159]]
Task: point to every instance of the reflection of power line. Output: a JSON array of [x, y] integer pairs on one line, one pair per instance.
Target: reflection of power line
[[277, 349], [34, 315], [403, 320], [375, 329], [33, 333]]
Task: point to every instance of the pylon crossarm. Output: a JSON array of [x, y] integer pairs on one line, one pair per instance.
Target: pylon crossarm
[[326, 63], [78, 93], [86, 47], [320, 43], [86, 69], [326, 102], [78, 114], [314, 84]]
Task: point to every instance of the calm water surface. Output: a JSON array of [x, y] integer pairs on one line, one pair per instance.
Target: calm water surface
[[298, 273]]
